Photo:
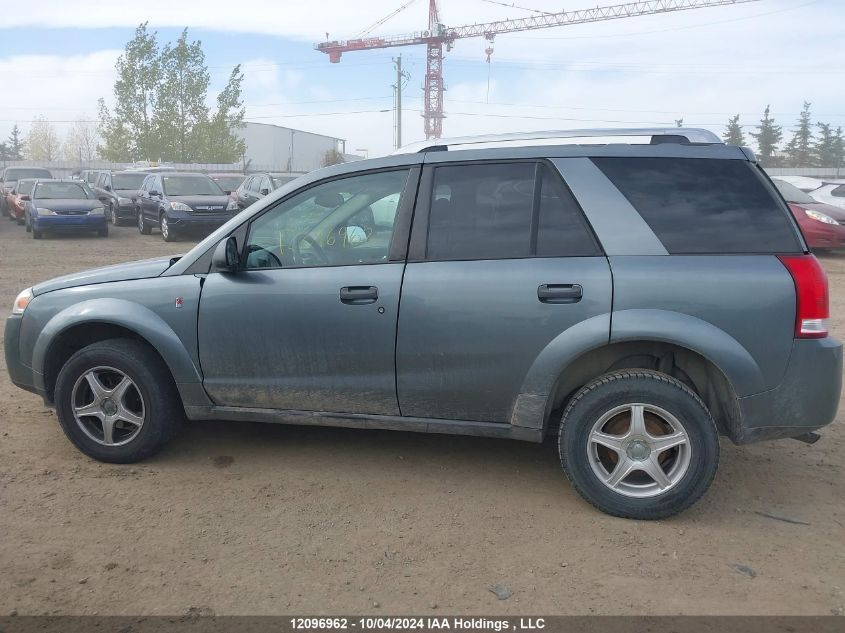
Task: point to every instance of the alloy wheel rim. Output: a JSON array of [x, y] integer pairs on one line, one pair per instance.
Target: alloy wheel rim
[[639, 450], [108, 406], [164, 228], [140, 221]]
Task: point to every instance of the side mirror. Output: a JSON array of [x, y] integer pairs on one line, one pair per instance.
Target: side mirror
[[228, 193], [154, 193], [226, 257], [355, 235], [107, 187], [264, 192], [26, 198]]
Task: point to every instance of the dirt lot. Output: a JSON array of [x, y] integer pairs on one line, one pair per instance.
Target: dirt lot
[[249, 518]]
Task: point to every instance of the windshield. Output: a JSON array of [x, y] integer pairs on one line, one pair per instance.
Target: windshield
[[191, 186], [127, 181], [17, 174], [24, 187], [228, 183], [60, 191], [791, 193]]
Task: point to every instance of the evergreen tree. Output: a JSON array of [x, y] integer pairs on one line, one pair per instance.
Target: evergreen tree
[[768, 136], [733, 132], [829, 150], [4, 152], [799, 150], [15, 144]]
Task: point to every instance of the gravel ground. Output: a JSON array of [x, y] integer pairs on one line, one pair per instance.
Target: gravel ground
[[247, 518]]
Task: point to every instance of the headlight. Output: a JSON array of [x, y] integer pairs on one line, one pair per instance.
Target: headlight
[[22, 301], [124, 201], [232, 206], [821, 217], [97, 211], [44, 211], [180, 206]]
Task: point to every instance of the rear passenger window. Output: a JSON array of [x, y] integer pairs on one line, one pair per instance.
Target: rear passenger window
[[698, 205], [490, 211]]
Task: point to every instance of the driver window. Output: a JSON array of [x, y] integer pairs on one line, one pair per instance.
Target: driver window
[[343, 222]]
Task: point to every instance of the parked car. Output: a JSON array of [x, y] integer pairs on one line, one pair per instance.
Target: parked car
[[636, 300], [831, 192], [256, 186], [10, 175], [804, 183], [118, 191], [229, 183], [90, 175], [178, 203], [62, 206], [823, 225], [16, 202]]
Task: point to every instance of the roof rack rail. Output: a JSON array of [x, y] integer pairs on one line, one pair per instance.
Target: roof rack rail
[[567, 137]]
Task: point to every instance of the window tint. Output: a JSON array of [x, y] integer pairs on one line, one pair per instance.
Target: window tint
[[331, 224], [697, 205], [60, 190], [839, 191], [191, 186], [488, 211]]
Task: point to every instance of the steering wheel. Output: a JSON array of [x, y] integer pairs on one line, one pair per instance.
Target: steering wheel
[[254, 248], [318, 250]]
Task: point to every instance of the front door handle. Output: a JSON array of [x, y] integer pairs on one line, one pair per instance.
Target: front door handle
[[358, 295], [560, 293]]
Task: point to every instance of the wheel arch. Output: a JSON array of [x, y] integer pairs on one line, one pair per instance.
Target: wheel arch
[[102, 319]]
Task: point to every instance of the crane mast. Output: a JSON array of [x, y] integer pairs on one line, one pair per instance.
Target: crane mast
[[439, 36]]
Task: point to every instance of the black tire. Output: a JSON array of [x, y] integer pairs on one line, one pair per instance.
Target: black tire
[[143, 227], [103, 232], [167, 232], [139, 362], [654, 389], [37, 235], [27, 225], [113, 216], [21, 221]]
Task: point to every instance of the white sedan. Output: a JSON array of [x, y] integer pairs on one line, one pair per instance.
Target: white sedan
[[831, 192]]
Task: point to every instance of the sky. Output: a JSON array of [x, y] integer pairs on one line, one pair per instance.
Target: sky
[[57, 58]]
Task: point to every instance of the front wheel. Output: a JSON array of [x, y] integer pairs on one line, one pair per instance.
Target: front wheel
[[167, 233], [639, 444], [143, 227], [113, 216], [116, 401]]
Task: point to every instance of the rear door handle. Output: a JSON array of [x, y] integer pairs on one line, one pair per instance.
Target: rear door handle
[[560, 293], [358, 295]]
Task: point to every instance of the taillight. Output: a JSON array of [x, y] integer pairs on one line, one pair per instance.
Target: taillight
[[810, 295]]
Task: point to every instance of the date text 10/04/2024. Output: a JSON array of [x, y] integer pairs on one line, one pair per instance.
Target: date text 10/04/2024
[[417, 623]]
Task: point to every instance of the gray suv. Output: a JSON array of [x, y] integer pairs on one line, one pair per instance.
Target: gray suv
[[638, 294]]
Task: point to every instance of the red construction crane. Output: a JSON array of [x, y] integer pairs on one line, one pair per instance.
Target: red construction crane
[[439, 35]]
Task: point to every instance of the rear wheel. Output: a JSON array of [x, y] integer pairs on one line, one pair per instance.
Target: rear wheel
[[639, 444], [116, 401]]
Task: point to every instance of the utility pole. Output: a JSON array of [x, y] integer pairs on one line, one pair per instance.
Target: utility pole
[[400, 76]]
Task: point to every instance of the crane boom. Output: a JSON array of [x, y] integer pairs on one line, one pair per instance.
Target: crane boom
[[439, 35]]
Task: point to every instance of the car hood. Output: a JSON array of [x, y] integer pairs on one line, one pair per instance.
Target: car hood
[[143, 269], [828, 209], [71, 204], [217, 201]]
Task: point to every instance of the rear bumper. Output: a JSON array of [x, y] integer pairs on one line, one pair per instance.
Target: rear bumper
[[806, 399]]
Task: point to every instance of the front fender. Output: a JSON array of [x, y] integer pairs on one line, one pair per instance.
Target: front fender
[[121, 312]]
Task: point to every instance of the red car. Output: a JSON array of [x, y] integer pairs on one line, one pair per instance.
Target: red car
[[228, 183], [823, 225]]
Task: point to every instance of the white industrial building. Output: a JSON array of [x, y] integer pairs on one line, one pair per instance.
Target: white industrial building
[[276, 148]]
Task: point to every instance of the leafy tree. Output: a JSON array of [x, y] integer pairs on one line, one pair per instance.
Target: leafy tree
[[333, 157], [679, 122], [181, 115], [138, 79], [15, 144], [733, 132], [42, 141], [768, 136], [799, 150], [222, 145], [829, 150], [81, 142]]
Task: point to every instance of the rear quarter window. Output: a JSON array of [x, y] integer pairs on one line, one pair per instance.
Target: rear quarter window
[[699, 205]]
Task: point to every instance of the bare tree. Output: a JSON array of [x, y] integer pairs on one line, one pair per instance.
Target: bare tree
[[333, 157], [42, 141], [81, 142]]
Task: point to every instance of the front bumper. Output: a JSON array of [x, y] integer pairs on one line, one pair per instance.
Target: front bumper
[[71, 223], [806, 399], [21, 375], [124, 211], [184, 222]]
